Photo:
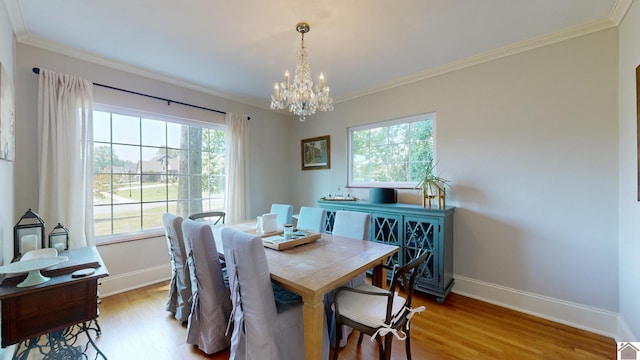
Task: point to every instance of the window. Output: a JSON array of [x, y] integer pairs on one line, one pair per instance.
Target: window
[[145, 166], [391, 153]]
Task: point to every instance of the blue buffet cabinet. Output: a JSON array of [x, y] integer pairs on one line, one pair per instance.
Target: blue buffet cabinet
[[411, 227]]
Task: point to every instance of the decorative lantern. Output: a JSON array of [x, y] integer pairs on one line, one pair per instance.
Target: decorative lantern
[[59, 238], [28, 234]]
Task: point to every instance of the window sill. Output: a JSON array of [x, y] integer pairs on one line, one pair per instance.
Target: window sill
[[117, 239]]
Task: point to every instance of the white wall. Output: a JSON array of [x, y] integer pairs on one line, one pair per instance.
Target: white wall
[[7, 217], [146, 261], [529, 142], [629, 208]]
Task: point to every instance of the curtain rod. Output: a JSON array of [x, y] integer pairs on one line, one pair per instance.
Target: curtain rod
[[36, 70]]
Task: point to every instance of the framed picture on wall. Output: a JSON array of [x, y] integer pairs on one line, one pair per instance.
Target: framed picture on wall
[[7, 116], [316, 153]]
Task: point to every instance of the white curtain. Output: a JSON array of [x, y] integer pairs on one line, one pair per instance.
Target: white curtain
[[65, 136], [237, 159]]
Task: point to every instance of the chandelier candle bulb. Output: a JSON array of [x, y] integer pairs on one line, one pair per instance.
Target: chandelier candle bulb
[[276, 89], [286, 79]]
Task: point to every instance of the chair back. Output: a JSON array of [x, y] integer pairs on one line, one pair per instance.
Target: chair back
[[260, 331], [284, 211], [216, 216], [251, 291], [351, 224], [178, 301], [312, 218], [405, 276], [211, 299]]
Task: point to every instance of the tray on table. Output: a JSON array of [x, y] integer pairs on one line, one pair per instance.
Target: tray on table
[[276, 240]]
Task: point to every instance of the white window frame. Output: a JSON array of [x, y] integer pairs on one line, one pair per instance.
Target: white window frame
[[398, 185], [148, 233]]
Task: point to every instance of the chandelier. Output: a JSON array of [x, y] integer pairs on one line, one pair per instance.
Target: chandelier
[[301, 97]]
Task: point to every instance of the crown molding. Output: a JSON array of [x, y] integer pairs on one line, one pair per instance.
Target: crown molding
[[100, 60], [619, 10], [15, 16], [487, 56]]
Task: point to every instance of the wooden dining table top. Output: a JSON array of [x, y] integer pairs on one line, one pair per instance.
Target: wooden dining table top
[[320, 266]]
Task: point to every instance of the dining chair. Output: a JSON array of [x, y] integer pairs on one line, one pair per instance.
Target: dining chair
[[284, 211], [354, 225], [311, 218], [260, 331], [211, 299], [215, 216], [351, 224], [178, 301], [380, 313]]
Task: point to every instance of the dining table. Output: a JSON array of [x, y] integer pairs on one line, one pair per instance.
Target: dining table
[[311, 270]]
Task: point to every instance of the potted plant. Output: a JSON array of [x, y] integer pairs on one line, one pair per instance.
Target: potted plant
[[433, 187]]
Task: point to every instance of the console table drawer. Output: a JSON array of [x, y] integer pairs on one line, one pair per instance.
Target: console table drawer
[[52, 309]]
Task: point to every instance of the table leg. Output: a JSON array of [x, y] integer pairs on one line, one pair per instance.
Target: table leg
[[380, 277], [313, 317]]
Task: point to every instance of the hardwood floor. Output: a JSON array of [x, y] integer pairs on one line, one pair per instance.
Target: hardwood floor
[[136, 326]]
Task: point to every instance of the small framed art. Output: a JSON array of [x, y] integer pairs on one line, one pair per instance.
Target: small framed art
[[316, 153], [7, 116]]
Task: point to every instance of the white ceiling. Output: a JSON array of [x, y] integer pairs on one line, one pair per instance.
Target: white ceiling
[[241, 48]]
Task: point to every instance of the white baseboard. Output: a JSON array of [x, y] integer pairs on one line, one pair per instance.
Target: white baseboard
[[624, 332], [583, 317], [115, 284]]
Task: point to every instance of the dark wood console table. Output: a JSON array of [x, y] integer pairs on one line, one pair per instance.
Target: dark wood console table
[[58, 304]]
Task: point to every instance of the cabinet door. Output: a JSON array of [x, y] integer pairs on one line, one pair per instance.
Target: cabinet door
[[328, 225], [423, 233], [386, 229]]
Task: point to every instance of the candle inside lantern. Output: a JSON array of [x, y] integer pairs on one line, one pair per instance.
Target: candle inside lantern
[[59, 247], [28, 243]]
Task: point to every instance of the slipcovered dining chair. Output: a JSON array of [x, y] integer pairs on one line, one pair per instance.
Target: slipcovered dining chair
[[354, 225], [216, 217], [178, 301], [284, 211], [260, 331], [211, 306], [312, 218], [351, 224], [380, 313]]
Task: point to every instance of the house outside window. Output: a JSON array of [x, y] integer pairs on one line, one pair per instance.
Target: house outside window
[[145, 166], [391, 153]]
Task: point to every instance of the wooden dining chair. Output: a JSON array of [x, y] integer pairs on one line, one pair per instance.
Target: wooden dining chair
[[211, 299], [379, 313], [217, 217], [311, 218], [178, 301], [354, 225]]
